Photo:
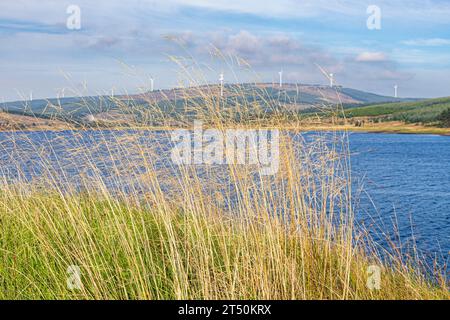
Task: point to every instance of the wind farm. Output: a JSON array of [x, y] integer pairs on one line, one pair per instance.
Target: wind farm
[[296, 98]]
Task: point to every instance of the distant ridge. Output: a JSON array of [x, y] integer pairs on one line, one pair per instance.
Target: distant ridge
[[292, 96]]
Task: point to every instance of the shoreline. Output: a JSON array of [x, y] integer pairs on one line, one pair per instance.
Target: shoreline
[[386, 128]]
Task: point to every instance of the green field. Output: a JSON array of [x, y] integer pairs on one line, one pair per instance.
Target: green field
[[424, 111]]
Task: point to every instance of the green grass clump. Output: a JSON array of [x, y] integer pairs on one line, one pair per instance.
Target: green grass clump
[[137, 252]]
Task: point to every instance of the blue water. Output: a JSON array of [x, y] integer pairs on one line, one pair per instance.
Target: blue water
[[406, 180], [401, 183]]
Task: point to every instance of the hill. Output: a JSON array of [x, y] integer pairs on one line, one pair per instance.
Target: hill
[[423, 111], [296, 97], [14, 122]]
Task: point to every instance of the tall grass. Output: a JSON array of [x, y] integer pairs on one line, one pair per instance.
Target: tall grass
[[139, 227]]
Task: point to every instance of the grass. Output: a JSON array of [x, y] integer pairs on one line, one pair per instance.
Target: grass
[[188, 232], [127, 252], [291, 236]]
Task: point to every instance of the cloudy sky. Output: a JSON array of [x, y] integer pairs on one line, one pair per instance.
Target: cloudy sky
[[122, 43]]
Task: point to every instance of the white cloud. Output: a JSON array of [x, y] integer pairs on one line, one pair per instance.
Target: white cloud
[[434, 42], [413, 56], [371, 57], [269, 50]]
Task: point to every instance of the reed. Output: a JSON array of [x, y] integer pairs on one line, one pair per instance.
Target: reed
[[140, 227]]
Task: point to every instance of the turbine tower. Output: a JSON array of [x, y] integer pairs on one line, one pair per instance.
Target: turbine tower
[[221, 78], [151, 84], [281, 78], [396, 91], [331, 80]]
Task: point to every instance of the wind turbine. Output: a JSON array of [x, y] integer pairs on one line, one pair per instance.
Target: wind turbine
[[152, 82], [281, 78], [396, 91], [297, 97], [330, 76], [221, 78]]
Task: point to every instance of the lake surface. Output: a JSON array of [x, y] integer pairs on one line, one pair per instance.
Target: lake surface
[[407, 179], [398, 179]]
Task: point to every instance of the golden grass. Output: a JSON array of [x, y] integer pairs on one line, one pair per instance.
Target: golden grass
[[184, 232], [127, 252]]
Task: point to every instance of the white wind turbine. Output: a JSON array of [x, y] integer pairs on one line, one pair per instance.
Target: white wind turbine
[[396, 91], [281, 78], [221, 79], [152, 82], [330, 76]]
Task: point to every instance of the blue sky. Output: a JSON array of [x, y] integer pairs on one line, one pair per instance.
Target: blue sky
[[121, 44]]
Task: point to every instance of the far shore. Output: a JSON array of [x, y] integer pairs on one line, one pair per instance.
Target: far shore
[[384, 127]]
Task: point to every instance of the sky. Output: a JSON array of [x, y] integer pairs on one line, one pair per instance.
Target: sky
[[48, 49]]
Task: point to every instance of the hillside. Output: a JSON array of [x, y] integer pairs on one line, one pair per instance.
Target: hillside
[[293, 97], [424, 111], [15, 122]]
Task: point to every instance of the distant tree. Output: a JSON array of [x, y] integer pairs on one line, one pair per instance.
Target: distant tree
[[444, 118]]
